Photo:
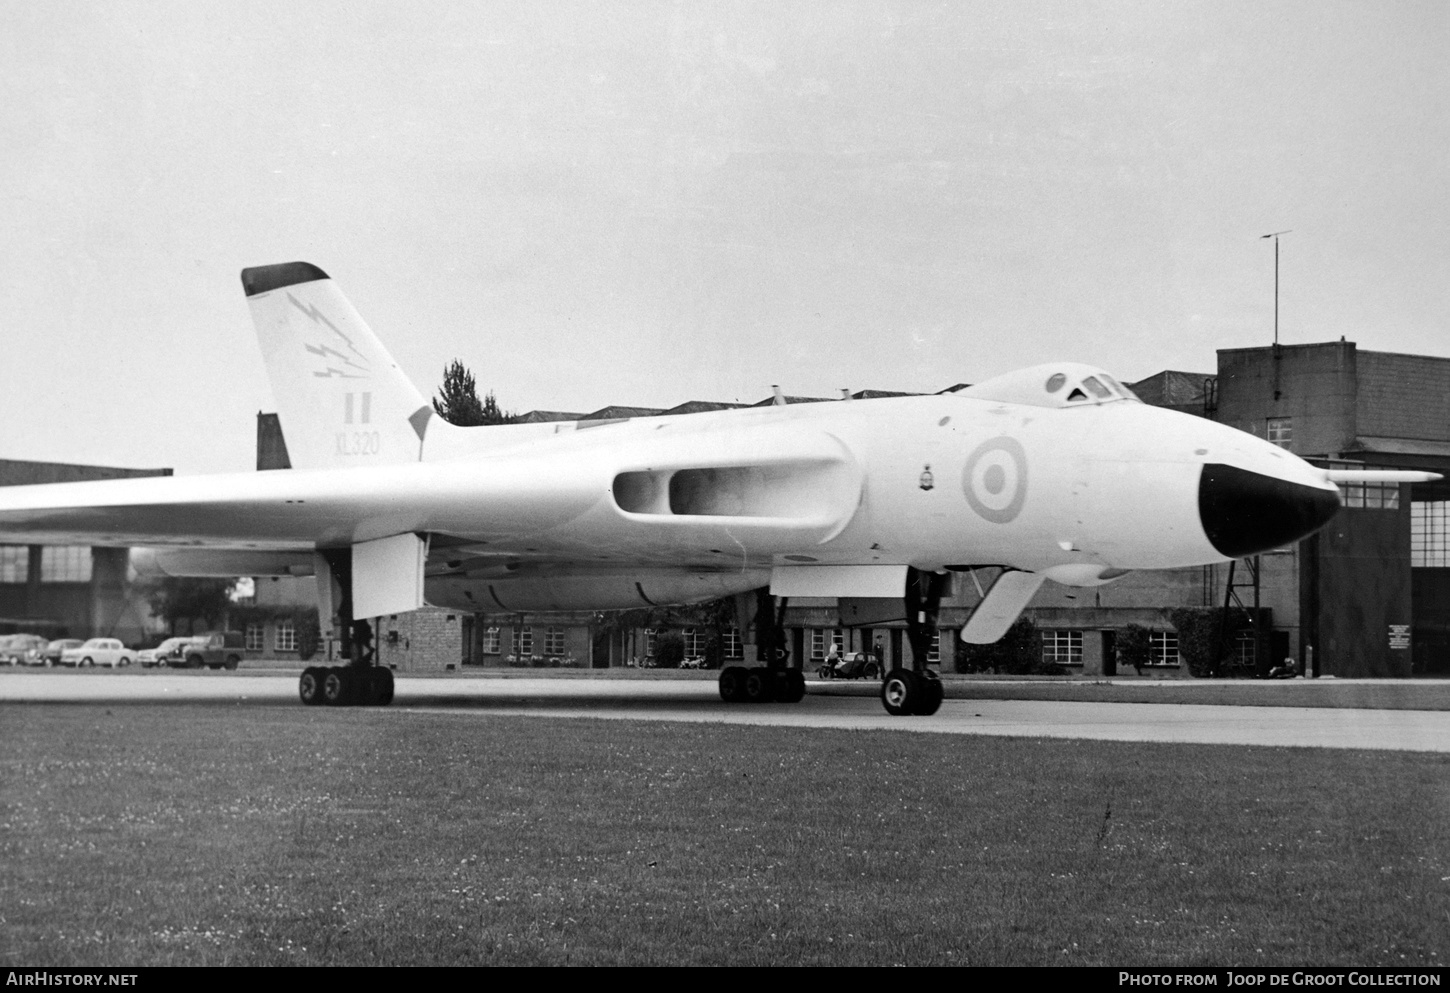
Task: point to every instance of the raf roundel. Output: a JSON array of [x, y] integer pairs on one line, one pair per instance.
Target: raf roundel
[[995, 479]]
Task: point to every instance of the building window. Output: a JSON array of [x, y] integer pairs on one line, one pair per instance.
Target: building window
[[65, 564], [1281, 432], [1429, 535], [492, 643], [255, 633], [650, 634], [523, 642], [1162, 648], [1373, 496], [286, 636], [1244, 651], [933, 653], [14, 563], [823, 639], [553, 641], [730, 644], [694, 643], [1062, 647]]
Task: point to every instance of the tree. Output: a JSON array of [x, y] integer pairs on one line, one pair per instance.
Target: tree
[[1018, 652], [175, 599], [1135, 647], [457, 401], [1206, 638]]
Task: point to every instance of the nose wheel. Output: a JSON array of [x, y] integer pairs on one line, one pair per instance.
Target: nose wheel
[[905, 692], [917, 691]]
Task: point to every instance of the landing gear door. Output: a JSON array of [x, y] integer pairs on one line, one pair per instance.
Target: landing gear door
[[1006, 599], [329, 593], [387, 575]]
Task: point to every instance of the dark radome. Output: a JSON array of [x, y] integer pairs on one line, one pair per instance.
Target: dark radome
[[265, 278], [1245, 512]]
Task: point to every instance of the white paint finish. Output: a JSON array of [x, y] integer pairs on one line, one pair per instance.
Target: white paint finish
[[839, 580], [341, 399], [1013, 472], [1004, 601], [387, 575]]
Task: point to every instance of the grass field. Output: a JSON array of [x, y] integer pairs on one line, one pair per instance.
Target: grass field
[[154, 835]]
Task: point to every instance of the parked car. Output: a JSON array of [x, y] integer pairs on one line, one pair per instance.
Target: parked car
[[56, 649], [98, 651], [164, 653], [221, 648], [5, 640], [24, 649]]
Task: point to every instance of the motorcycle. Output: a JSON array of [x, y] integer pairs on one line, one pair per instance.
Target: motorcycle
[[852, 665]]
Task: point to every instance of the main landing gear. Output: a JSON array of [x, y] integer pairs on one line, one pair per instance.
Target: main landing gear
[[776, 681], [361, 682], [761, 684], [346, 686]]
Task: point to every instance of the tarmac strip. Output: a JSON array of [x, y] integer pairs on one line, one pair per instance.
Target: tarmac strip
[[699, 701]]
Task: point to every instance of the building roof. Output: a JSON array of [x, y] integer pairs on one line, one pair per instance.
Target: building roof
[[16, 473], [546, 416], [702, 406], [618, 412], [1171, 388], [770, 400], [881, 394], [1401, 446]]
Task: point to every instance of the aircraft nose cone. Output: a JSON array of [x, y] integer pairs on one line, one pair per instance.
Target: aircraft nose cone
[[1246, 512]]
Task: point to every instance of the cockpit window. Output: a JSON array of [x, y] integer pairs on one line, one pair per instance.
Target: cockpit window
[[1055, 381], [1119, 387], [1096, 388], [1075, 395]]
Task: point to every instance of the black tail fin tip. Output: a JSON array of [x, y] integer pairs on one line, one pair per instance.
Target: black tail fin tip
[[265, 278]]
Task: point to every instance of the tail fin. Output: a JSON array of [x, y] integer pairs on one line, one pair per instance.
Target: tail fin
[[341, 398]]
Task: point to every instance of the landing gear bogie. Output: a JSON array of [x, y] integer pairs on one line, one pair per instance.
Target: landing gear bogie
[[346, 686], [759, 684]]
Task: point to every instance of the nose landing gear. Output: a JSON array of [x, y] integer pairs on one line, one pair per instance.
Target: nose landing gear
[[917, 690]]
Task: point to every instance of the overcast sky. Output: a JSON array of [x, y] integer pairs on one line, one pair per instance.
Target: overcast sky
[[648, 203]]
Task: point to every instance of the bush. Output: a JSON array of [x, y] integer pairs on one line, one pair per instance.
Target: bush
[[1202, 644], [309, 635], [669, 650], [1018, 652]]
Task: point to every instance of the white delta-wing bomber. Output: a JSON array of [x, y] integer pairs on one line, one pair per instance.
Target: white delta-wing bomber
[[1055, 472]]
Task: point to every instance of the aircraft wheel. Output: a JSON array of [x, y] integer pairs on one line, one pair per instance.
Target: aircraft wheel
[[899, 692], [759, 685], [309, 687], [732, 684], [928, 701], [790, 686], [339, 687]]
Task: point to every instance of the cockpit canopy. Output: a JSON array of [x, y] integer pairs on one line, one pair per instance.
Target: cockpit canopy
[[1056, 384]]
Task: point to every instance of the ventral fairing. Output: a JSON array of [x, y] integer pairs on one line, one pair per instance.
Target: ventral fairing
[[1055, 472]]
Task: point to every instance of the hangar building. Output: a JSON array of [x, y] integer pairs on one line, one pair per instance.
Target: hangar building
[[67, 590]]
